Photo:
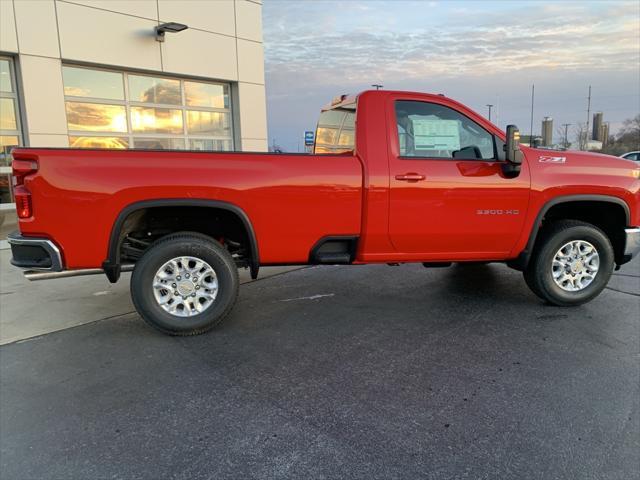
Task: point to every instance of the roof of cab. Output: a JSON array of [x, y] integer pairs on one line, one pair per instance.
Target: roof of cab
[[348, 99]]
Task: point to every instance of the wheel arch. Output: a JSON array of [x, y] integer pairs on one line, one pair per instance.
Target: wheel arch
[[112, 264], [522, 261]]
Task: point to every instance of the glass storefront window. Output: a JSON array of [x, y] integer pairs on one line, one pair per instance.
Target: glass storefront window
[[208, 144], [7, 142], [156, 120], [10, 128], [145, 111], [6, 82], [206, 95], [154, 90], [159, 143], [99, 142], [8, 119], [82, 82], [96, 117], [208, 123]]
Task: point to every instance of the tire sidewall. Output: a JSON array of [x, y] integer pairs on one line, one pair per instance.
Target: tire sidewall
[[205, 249], [606, 255]]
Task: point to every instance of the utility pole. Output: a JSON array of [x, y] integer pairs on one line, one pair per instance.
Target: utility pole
[[533, 91], [377, 86], [588, 118], [566, 133], [489, 105]]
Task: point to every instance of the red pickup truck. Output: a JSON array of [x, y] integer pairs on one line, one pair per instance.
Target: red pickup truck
[[395, 177]]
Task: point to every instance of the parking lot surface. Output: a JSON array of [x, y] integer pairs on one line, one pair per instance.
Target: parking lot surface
[[339, 372]]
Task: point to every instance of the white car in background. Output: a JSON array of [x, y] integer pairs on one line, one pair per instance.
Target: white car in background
[[632, 156]]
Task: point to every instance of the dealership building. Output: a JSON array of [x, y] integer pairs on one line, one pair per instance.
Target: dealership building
[[168, 74]]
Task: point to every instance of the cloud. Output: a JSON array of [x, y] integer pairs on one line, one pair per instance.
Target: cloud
[[312, 48], [571, 38]]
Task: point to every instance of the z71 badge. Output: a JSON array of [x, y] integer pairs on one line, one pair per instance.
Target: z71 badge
[[546, 159]]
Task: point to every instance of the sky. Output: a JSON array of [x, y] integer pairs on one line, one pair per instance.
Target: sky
[[475, 52]]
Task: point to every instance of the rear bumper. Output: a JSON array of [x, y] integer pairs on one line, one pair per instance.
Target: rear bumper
[[34, 253], [632, 242]]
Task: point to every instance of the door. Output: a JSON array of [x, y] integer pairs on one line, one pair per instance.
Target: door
[[449, 197]]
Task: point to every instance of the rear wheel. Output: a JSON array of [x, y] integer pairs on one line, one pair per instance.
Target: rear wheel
[[184, 284], [571, 265]]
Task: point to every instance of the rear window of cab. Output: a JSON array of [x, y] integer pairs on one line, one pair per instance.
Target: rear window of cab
[[335, 133]]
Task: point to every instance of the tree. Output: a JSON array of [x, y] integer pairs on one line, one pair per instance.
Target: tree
[[563, 135], [582, 135], [626, 140], [629, 134]]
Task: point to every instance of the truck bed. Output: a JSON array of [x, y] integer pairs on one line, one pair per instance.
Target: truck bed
[[292, 200]]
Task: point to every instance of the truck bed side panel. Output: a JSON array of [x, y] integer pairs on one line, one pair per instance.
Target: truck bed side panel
[[291, 200]]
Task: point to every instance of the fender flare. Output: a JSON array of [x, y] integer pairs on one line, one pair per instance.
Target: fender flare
[[112, 265], [522, 260]]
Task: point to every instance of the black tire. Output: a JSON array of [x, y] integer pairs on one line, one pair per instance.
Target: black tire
[[176, 245], [539, 274]]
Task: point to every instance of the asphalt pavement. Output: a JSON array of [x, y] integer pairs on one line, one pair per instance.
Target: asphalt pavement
[[339, 372]]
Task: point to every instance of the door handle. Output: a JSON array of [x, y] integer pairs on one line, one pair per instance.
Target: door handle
[[410, 177]]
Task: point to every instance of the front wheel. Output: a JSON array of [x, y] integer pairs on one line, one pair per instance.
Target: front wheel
[[184, 284], [571, 265]]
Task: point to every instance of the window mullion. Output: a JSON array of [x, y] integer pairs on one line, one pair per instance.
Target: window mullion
[[127, 107]]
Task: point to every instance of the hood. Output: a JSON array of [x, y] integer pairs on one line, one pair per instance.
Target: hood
[[576, 158]]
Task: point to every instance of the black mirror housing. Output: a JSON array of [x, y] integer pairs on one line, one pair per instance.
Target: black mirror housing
[[512, 146], [513, 154]]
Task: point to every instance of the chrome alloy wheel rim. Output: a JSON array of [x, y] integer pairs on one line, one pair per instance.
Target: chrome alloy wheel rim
[[575, 265], [185, 286]]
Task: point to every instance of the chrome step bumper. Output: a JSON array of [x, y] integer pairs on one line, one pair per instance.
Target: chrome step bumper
[[632, 242], [34, 253], [41, 259]]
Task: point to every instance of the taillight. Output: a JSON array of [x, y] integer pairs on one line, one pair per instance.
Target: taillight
[[22, 166], [23, 201]]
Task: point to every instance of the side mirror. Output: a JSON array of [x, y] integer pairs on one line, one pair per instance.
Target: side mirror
[[513, 154], [512, 147]]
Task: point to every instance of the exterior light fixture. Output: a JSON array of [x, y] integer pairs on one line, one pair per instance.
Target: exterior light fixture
[[171, 27]]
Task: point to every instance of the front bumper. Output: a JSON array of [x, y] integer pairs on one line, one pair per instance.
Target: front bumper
[[632, 242], [34, 253]]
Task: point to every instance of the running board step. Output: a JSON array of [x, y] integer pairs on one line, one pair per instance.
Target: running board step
[[35, 275]]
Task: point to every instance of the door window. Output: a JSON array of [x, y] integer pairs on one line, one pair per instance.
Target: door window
[[430, 130]]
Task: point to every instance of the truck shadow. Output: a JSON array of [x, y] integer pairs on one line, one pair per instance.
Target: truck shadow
[[475, 279]]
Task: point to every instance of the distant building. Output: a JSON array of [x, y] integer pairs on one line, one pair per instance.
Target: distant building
[[594, 145], [597, 133], [605, 134], [547, 132]]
